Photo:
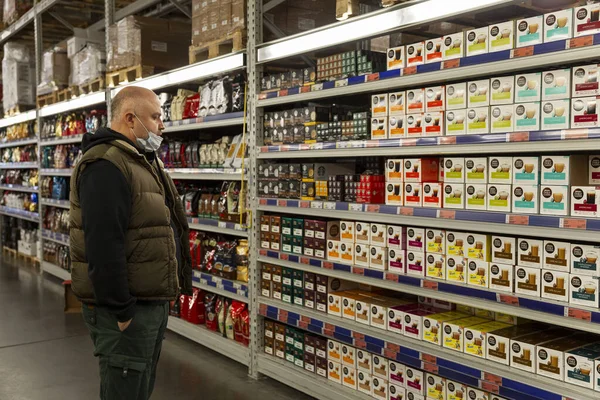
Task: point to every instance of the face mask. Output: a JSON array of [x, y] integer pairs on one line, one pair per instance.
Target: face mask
[[152, 143]]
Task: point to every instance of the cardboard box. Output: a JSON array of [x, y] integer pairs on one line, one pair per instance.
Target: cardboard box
[[584, 201], [584, 112], [432, 197], [415, 101], [322, 367], [334, 351], [478, 120], [584, 290], [415, 54], [528, 88], [397, 103], [551, 355], [436, 387], [362, 232], [529, 31], [455, 390], [502, 277], [453, 169], [394, 194], [594, 170], [530, 252], [455, 122], [500, 170], [586, 20], [395, 58], [478, 246], [334, 372], [527, 281], [433, 50], [473, 393], [456, 269], [396, 391], [558, 25], [455, 243], [499, 341], [348, 356], [523, 348], [394, 171], [365, 382], [501, 36], [415, 239], [379, 128], [421, 170], [333, 250], [379, 105], [380, 388], [476, 197], [378, 234], [396, 316], [363, 310], [415, 263], [476, 170], [499, 198], [415, 380], [456, 96], [556, 84], [479, 93], [413, 322], [435, 99], [348, 231], [554, 200], [414, 125], [397, 372], [349, 304], [453, 46], [378, 258], [557, 256], [433, 124], [525, 170], [579, 366], [476, 337], [364, 361], [349, 377], [504, 249], [477, 41], [380, 366], [397, 126], [454, 195], [453, 332], [432, 325], [527, 117], [555, 285], [525, 199], [435, 241], [435, 266], [584, 81], [413, 194], [478, 273], [584, 259], [501, 119]]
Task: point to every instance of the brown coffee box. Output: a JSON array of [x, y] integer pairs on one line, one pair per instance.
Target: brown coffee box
[[238, 14], [265, 240], [321, 302], [213, 23], [551, 355], [224, 17], [321, 347], [276, 272], [297, 244], [298, 296], [266, 272], [310, 361], [269, 329], [275, 224], [309, 298], [287, 294], [320, 247], [308, 245], [321, 367], [523, 348], [298, 278], [265, 288], [333, 230], [276, 290], [279, 330], [310, 281], [279, 349], [309, 228], [270, 346], [498, 342], [309, 344], [275, 241], [320, 228], [322, 283]]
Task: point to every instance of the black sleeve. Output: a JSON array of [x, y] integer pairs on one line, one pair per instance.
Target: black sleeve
[[105, 199]]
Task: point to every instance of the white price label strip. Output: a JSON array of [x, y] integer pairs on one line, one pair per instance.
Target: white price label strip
[[316, 204], [329, 205]]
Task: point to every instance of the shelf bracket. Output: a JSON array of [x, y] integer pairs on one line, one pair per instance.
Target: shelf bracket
[[62, 20], [182, 8], [272, 4]]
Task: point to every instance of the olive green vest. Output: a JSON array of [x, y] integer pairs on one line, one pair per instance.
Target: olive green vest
[[152, 267]]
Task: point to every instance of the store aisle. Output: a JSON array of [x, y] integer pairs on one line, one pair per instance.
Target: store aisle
[[47, 355]]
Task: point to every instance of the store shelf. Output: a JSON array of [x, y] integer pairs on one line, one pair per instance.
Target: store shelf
[[306, 382], [495, 143], [17, 119], [370, 25], [212, 225], [56, 203], [470, 370], [56, 271], [61, 140], [18, 188], [21, 214], [213, 121], [217, 174], [535, 308], [15, 143], [212, 340], [224, 287], [56, 237], [542, 55], [545, 226], [83, 101], [56, 171], [26, 19], [22, 165]]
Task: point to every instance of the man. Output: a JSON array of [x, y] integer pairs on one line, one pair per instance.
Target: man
[[129, 244]]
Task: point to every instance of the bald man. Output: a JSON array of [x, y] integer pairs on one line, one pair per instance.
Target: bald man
[[129, 244]]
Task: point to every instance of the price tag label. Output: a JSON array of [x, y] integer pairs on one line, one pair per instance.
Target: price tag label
[[522, 52], [489, 387], [582, 41], [328, 332], [517, 137], [573, 223], [282, 318], [373, 77], [303, 325], [391, 277], [491, 378], [262, 252], [361, 344], [575, 134], [448, 214], [222, 224], [358, 271], [341, 83], [451, 64], [305, 319], [357, 144], [430, 368], [316, 87], [389, 354], [304, 260], [372, 208], [429, 285], [304, 204], [358, 336], [327, 265], [444, 140], [262, 202], [316, 204], [355, 207], [284, 256], [343, 145], [429, 358], [578, 314], [304, 89], [283, 313], [507, 299], [263, 309], [406, 211], [392, 346], [283, 93], [282, 203], [329, 205], [329, 327], [409, 71], [204, 281], [517, 219]]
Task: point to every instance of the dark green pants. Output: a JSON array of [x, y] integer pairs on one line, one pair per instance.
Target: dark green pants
[[127, 359]]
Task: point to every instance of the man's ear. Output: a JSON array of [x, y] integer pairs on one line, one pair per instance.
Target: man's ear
[[130, 119]]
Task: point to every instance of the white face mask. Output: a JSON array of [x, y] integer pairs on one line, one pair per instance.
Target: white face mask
[[152, 143]]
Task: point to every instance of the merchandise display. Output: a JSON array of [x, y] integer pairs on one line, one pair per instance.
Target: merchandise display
[[88, 64], [227, 259], [18, 132], [226, 152], [19, 235], [76, 123], [57, 254], [20, 177], [20, 201], [214, 20], [55, 70], [61, 156], [18, 72]]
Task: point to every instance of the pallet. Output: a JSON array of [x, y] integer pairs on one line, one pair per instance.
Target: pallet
[[9, 252], [95, 85], [234, 41], [28, 259], [47, 99], [130, 74], [68, 93]]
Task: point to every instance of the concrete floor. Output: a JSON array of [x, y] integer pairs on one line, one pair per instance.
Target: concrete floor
[[47, 355]]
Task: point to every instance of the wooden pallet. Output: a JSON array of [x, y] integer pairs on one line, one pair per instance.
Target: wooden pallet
[[68, 93], [9, 252], [130, 74], [28, 259], [95, 85], [47, 99], [234, 41]]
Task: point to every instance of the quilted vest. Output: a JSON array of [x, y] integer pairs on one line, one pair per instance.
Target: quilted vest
[[152, 267]]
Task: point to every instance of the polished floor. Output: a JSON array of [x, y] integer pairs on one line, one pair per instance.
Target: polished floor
[[47, 355]]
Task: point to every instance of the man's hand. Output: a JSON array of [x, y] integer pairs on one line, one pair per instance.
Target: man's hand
[[124, 325]]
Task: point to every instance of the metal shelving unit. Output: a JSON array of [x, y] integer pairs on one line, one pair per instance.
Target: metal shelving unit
[[56, 271], [55, 203], [21, 214], [18, 143], [17, 188], [56, 237], [217, 174], [211, 225], [62, 140], [56, 171], [22, 165]]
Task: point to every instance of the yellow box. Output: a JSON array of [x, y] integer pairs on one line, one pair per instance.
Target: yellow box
[[478, 246], [432, 325], [476, 337], [454, 332]]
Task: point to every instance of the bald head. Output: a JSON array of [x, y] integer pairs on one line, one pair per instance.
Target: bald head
[[135, 111]]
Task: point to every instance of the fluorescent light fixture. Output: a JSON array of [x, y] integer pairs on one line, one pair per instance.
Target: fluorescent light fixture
[[212, 67], [17, 119], [370, 25], [73, 104]]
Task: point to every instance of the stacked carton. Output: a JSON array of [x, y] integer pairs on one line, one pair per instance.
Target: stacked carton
[[14, 9], [18, 75], [55, 70], [215, 19]]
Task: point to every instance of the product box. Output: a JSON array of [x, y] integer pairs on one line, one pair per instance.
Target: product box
[[586, 21], [455, 390], [334, 372], [394, 171], [364, 361], [396, 261], [558, 25], [500, 170], [478, 120], [501, 119], [555, 285], [435, 241], [455, 122], [333, 250], [454, 46], [362, 230], [435, 99], [415, 239], [322, 367], [415, 380], [414, 125], [436, 387], [584, 81], [415, 101], [378, 234], [476, 337], [478, 273], [455, 243], [584, 259], [432, 325], [594, 170], [433, 50], [478, 394], [551, 355], [584, 290], [526, 170], [397, 103], [396, 237], [397, 373], [415, 263], [476, 170], [334, 351], [453, 332], [379, 105], [378, 258], [361, 255], [530, 253], [501, 36], [584, 201], [379, 128], [453, 170], [347, 253], [394, 194], [499, 198], [456, 267], [478, 246], [365, 382], [499, 341], [415, 54], [349, 304], [584, 112], [579, 366], [397, 392], [456, 96], [527, 117], [380, 367], [523, 348], [395, 58], [432, 197], [479, 93], [557, 256], [380, 389], [529, 31], [435, 266], [433, 123], [347, 231], [413, 195], [363, 310], [554, 200], [349, 377], [504, 250], [397, 127], [477, 41], [454, 195], [502, 277], [556, 84], [348, 356], [396, 316], [528, 88], [525, 199], [527, 281], [413, 322]]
